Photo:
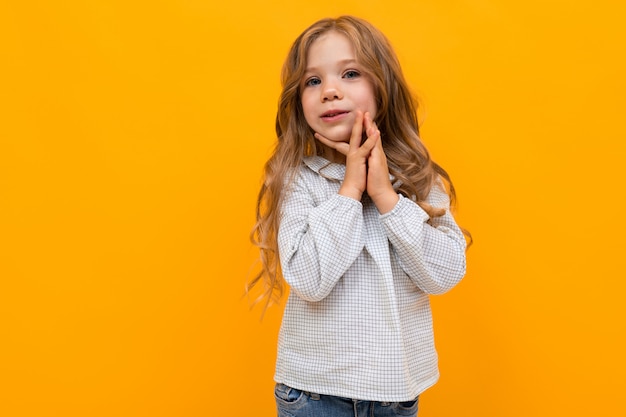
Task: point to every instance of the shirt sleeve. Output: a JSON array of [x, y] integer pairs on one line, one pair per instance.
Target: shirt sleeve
[[432, 255], [318, 243]]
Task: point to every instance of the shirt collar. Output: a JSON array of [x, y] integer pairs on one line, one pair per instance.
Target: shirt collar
[[333, 170], [325, 168]]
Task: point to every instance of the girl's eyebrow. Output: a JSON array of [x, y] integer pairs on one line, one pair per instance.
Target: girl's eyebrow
[[340, 63]]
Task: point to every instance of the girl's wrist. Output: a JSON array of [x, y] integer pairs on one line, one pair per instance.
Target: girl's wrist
[[351, 192], [385, 202]]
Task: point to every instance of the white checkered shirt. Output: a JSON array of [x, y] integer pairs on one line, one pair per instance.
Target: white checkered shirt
[[358, 323]]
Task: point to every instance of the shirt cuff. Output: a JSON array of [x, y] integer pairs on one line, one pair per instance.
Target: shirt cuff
[[401, 206]]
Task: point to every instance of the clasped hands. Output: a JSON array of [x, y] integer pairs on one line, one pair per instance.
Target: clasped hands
[[366, 164]]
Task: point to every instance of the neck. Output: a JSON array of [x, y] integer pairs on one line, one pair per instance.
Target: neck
[[331, 154]]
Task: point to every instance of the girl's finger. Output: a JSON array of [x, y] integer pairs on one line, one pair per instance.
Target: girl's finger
[[374, 127], [357, 131], [367, 122], [341, 147], [372, 132], [370, 124]]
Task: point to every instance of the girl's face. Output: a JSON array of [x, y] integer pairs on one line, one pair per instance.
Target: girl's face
[[334, 87]]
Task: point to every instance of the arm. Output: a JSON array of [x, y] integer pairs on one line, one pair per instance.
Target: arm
[[317, 244], [433, 256]]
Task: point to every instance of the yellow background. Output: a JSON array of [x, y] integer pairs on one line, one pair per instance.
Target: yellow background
[[132, 138]]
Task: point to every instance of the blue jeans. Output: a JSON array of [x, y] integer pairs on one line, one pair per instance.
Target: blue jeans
[[291, 402]]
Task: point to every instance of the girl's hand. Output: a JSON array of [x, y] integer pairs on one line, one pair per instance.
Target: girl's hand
[[357, 154], [379, 185]]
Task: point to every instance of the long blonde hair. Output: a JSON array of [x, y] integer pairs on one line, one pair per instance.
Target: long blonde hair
[[407, 157]]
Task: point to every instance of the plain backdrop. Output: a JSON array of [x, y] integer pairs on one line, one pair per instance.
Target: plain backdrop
[[132, 139]]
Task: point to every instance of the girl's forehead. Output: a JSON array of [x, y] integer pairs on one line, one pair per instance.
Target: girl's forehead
[[331, 35], [331, 44]]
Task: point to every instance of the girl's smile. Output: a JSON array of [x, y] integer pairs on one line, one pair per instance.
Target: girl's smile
[[334, 87]]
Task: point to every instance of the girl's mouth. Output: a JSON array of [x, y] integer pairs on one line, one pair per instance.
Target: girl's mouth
[[334, 114]]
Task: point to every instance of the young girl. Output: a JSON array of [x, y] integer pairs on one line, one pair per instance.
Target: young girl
[[354, 215]]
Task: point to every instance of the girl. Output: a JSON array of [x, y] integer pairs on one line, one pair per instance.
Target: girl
[[354, 216]]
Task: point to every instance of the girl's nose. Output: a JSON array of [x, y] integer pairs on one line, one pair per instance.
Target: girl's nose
[[331, 93]]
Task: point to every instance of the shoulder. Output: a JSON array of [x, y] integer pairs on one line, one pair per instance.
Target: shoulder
[[315, 179], [438, 195], [315, 170]]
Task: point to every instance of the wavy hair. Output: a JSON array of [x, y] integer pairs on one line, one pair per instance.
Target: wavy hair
[[407, 157]]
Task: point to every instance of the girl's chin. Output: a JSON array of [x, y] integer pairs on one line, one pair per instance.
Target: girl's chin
[[338, 138]]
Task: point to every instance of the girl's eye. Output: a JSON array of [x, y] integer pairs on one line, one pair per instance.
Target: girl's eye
[[351, 74], [312, 82]]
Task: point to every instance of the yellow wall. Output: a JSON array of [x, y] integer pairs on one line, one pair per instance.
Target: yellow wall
[[132, 137]]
